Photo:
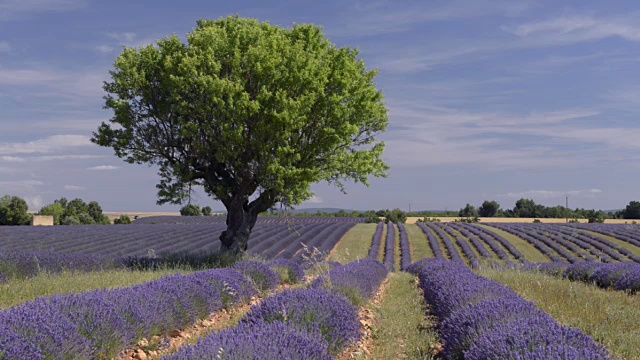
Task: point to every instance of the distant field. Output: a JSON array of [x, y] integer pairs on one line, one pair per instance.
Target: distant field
[[413, 220]]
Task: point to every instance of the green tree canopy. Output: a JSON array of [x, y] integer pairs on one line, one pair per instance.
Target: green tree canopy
[[246, 110], [632, 211], [488, 209], [190, 210], [207, 211], [468, 211], [13, 211]]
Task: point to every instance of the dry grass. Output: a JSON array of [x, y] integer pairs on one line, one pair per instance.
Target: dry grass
[[611, 317]]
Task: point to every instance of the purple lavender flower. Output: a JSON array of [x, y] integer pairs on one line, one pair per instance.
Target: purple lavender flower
[[293, 270], [357, 280], [312, 310], [262, 340], [259, 273], [535, 338], [630, 281], [461, 330]]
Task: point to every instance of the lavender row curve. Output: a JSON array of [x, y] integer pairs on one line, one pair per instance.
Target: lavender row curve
[[405, 247], [98, 324], [389, 251], [453, 252], [508, 245], [300, 324], [433, 242], [482, 319], [376, 241], [622, 276]]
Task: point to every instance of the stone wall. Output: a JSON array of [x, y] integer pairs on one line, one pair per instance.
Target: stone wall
[[42, 220]]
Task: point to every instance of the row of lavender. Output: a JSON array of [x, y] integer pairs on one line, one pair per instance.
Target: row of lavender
[[209, 220], [624, 232], [99, 324], [313, 323], [482, 319], [389, 253], [561, 243], [268, 240], [624, 276], [478, 237], [90, 248]]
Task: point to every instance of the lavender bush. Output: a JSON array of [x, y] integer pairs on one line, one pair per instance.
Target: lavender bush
[[357, 281], [390, 246], [482, 319], [260, 274], [535, 338], [311, 310], [376, 241], [405, 247], [262, 340], [462, 329], [97, 324], [290, 271], [630, 280]]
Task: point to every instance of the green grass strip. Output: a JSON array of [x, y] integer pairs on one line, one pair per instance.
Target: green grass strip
[[19, 291], [612, 318], [355, 244], [420, 248], [634, 249], [401, 330]]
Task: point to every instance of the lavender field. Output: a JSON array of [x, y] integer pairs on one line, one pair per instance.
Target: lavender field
[[466, 278]]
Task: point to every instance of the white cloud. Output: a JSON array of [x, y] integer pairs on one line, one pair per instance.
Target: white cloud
[[74, 187], [35, 202], [386, 17], [48, 145], [547, 194], [20, 185], [104, 49], [11, 159], [314, 199], [103, 167], [576, 28], [131, 39], [65, 157], [9, 9]]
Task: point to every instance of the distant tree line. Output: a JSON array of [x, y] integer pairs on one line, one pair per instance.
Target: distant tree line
[[14, 211], [527, 208]]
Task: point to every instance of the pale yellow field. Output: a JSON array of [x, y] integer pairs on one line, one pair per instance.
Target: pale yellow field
[[116, 214], [413, 220]]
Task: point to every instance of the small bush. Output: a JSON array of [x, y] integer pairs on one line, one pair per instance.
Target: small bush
[[260, 274], [190, 210], [122, 220], [311, 310]]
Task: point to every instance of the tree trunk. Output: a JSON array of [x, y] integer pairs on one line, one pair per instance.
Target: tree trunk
[[240, 221]]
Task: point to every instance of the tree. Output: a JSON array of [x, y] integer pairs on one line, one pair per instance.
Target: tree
[[56, 210], [207, 211], [396, 216], [123, 220], [468, 211], [13, 211], [95, 211], [190, 210], [632, 211], [527, 208], [488, 209], [252, 112]]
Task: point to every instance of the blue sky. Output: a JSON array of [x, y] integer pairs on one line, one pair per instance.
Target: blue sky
[[487, 99]]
